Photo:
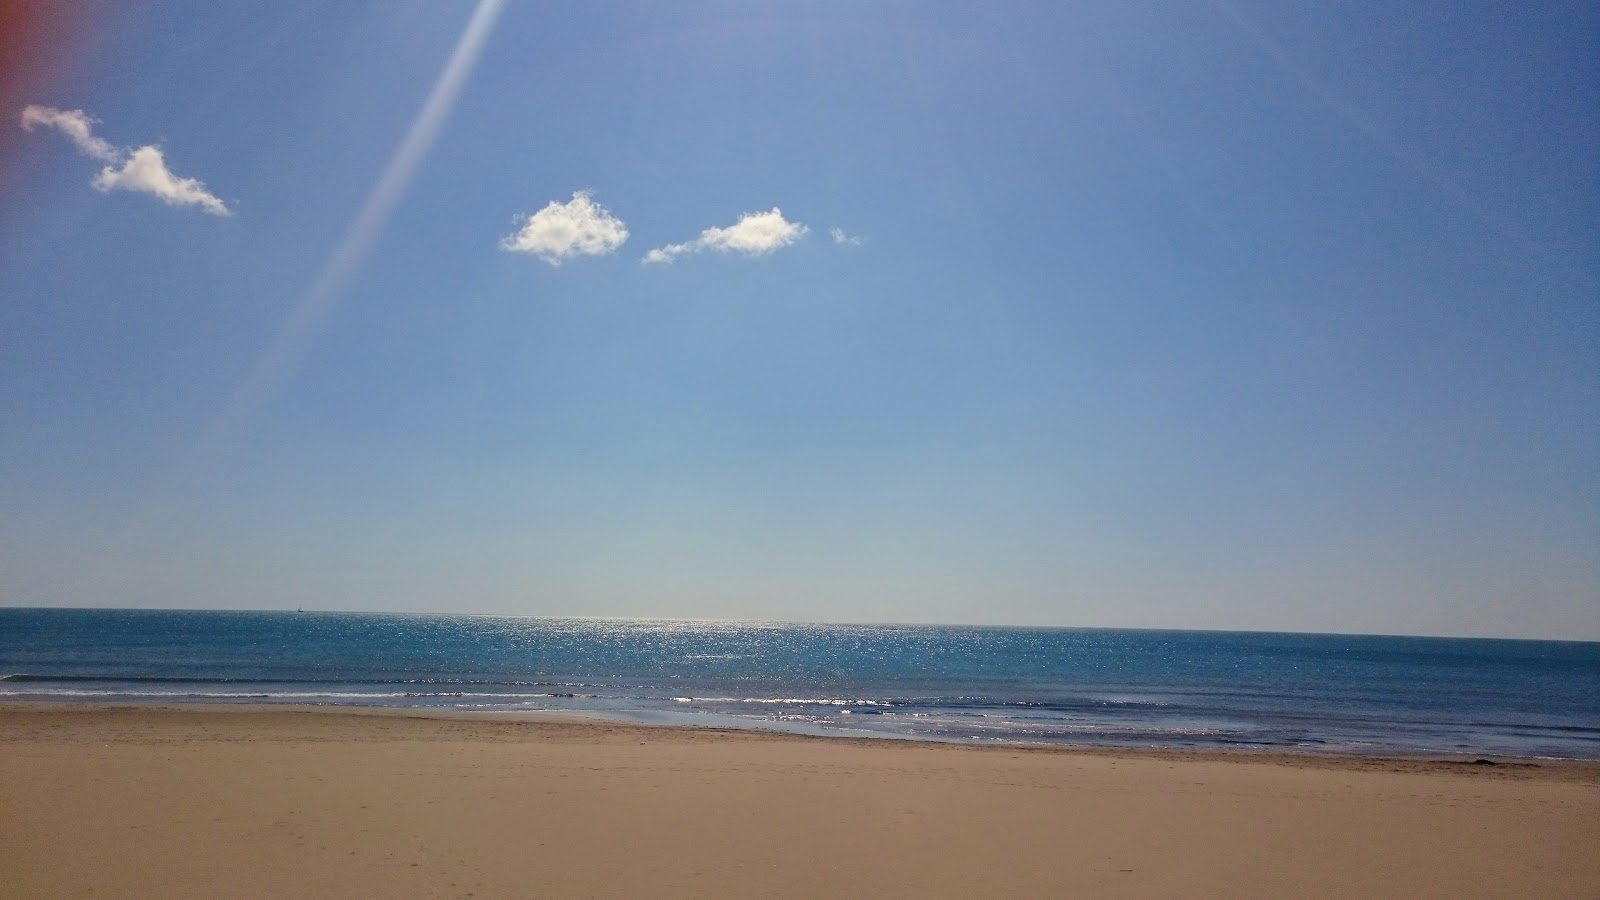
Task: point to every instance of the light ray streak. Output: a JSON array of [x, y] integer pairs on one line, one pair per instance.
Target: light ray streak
[[102, 576], [1445, 186], [346, 259]]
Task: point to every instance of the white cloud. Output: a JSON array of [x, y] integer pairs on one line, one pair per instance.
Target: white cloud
[[561, 231], [75, 124], [668, 253], [839, 237], [143, 170], [146, 171], [755, 234]]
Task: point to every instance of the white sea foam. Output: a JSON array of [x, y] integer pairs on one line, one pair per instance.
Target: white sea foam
[[270, 695], [797, 701]]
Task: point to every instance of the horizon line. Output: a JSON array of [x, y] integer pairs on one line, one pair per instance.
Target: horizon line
[[839, 623]]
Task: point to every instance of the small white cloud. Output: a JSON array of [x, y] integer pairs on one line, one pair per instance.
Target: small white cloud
[[561, 231], [146, 172], [669, 253], [143, 170], [755, 234], [849, 240], [75, 124]]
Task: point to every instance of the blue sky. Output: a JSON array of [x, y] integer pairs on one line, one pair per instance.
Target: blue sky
[[1173, 314]]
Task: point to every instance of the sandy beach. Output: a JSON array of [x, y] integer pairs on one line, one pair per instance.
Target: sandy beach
[[253, 801]]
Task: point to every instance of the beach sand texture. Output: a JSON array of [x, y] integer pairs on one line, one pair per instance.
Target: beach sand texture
[[272, 802]]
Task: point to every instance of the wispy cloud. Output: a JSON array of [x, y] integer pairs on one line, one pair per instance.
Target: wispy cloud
[[849, 240], [755, 234], [560, 231], [142, 170], [145, 171], [75, 124]]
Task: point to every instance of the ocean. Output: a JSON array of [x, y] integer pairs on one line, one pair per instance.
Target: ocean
[[1372, 695]]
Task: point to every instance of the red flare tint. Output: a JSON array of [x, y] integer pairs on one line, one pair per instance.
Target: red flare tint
[[41, 44]]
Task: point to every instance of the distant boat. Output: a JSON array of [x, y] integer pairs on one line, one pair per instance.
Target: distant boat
[[299, 609]]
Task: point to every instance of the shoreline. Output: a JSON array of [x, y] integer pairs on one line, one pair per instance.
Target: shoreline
[[265, 800], [525, 724], [781, 724]]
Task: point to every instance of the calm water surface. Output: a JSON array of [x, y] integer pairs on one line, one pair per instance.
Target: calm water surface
[[1334, 693]]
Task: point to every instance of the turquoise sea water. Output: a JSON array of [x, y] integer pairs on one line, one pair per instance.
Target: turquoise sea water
[[1332, 693]]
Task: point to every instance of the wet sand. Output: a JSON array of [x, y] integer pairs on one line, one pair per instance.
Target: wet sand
[[268, 801]]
